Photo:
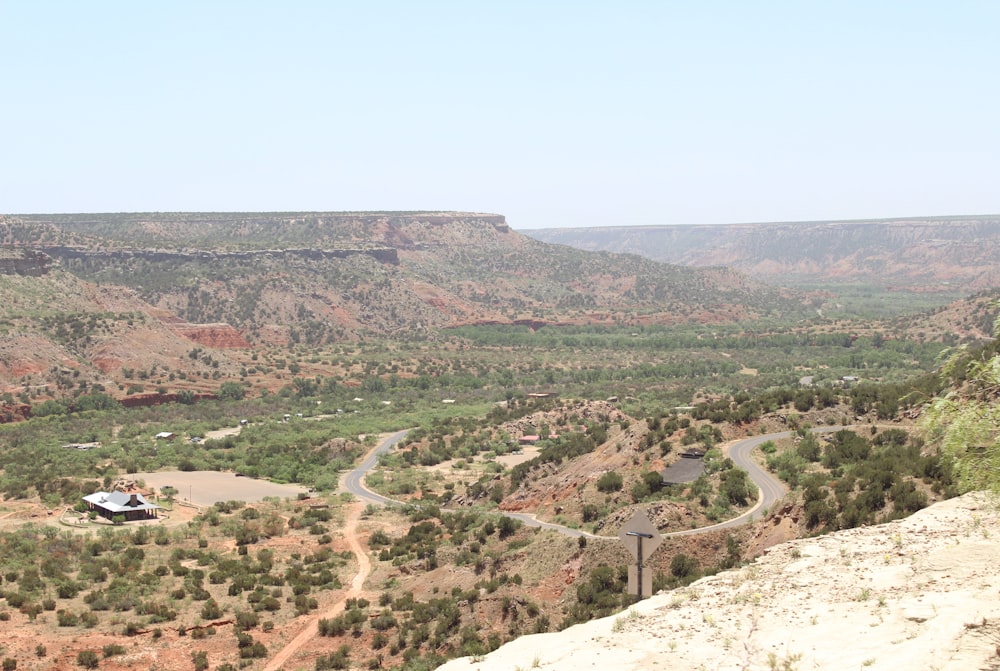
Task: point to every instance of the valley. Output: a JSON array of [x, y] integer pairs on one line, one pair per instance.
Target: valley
[[533, 396]]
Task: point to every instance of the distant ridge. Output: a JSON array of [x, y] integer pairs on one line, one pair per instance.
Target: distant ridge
[[919, 253]]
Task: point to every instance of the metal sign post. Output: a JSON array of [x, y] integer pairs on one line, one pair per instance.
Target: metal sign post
[[641, 538], [638, 564]]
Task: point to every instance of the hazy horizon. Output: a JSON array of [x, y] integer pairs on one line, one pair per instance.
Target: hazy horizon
[[517, 228], [559, 114]]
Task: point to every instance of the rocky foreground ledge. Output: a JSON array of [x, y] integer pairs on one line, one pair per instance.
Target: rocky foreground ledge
[[919, 593]]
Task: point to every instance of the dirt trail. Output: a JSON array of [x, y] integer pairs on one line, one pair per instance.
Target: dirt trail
[[278, 662]]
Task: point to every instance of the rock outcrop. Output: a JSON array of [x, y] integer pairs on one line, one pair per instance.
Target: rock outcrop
[[216, 336], [25, 262], [918, 593]]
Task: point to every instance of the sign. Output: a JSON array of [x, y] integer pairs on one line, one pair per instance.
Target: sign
[[640, 532], [641, 538]]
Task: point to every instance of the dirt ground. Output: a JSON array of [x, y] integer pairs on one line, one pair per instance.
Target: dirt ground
[[508, 460], [204, 488]]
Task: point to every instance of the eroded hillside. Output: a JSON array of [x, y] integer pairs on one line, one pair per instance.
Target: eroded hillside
[[317, 277]]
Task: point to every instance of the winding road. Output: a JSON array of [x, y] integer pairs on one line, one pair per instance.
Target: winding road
[[770, 489], [354, 481]]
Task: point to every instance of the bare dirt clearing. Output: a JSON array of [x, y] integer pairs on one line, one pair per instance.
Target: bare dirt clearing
[[205, 488], [222, 433]]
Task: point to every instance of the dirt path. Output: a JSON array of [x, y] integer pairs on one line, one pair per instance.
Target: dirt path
[[311, 629]]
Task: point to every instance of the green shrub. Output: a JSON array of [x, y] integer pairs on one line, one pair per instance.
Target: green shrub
[[610, 482], [112, 649], [88, 659]]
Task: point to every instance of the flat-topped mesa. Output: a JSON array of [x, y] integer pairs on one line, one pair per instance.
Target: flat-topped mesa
[[25, 262], [498, 221], [385, 255]]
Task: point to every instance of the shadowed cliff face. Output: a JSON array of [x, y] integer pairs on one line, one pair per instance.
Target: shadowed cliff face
[[951, 252], [27, 263]]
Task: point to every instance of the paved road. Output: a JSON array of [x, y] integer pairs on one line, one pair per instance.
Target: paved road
[[771, 489], [354, 481]]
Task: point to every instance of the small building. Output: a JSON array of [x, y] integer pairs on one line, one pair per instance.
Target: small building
[[165, 435], [529, 440], [82, 446], [132, 506]]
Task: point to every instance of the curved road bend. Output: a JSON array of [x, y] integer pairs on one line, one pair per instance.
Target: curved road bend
[[771, 490], [354, 481]]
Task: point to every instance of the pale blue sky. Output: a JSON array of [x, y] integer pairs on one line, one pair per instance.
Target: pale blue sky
[[551, 113]]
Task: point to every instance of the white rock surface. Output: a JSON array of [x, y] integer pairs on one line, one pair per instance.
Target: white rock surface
[[920, 593]]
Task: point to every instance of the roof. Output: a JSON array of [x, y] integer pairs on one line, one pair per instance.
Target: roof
[[118, 502]]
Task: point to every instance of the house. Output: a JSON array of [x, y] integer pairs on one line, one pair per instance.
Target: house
[[164, 435], [132, 507]]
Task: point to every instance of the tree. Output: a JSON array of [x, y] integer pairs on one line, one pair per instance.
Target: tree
[[682, 566], [965, 421], [653, 480], [48, 407], [809, 448], [507, 526], [609, 482], [737, 487], [304, 387], [231, 391]]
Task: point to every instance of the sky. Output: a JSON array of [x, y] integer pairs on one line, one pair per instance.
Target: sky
[[552, 113]]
